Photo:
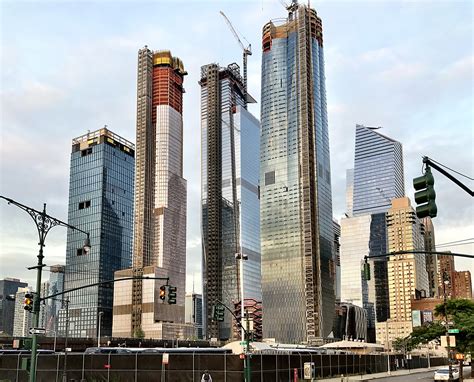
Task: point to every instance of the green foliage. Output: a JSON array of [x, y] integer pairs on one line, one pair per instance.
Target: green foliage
[[404, 344], [461, 312], [139, 333]]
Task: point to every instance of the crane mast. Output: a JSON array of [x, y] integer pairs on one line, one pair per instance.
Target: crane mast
[[246, 51]]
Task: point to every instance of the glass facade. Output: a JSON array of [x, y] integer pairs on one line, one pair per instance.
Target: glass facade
[[230, 138], [8, 286], [378, 171], [101, 203], [295, 188]]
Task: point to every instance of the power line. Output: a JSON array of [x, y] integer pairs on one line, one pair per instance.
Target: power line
[[450, 169], [455, 241]]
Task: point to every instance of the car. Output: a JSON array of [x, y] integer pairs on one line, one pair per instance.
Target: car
[[443, 374]]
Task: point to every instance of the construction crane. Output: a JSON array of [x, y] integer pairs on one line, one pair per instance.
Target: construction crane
[[247, 51]]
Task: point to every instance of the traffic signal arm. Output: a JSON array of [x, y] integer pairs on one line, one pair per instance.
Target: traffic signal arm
[[447, 175]]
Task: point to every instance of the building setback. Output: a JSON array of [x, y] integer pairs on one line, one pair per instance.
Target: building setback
[[159, 241], [101, 203], [407, 276], [8, 287], [230, 205], [377, 177], [295, 187]]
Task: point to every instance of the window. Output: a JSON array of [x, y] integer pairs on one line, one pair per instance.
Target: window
[[269, 178], [85, 204], [86, 152]]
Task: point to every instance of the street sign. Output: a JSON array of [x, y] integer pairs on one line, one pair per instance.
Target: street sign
[[166, 358], [37, 331], [452, 341], [453, 330]]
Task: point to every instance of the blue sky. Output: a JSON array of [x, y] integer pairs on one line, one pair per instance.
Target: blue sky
[[70, 66]]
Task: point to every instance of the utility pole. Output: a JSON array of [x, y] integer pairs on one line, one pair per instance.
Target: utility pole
[[448, 347]]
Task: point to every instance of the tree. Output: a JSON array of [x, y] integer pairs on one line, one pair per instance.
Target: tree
[[404, 344], [139, 333], [461, 312]]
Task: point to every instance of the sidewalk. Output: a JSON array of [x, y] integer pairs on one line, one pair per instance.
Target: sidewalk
[[395, 373]]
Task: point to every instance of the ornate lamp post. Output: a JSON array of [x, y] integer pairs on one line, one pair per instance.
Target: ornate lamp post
[[44, 223]]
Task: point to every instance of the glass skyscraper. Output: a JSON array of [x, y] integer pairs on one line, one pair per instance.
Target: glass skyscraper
[[101, 203], [378, 171], [377, 178], [295, 182], [230, 138]]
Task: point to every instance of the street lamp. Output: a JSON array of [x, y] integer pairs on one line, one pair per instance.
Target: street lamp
[[44, 223], [243, 257], [98, 331]]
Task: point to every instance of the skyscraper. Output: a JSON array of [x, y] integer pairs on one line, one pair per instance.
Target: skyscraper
[[193, 312], [230, 137], [8, 287], [377, 177], [295, 181], [407, 276], [101, 203], [378, 171], [159, 241], [462, 285], [49, 314], [431, 260]]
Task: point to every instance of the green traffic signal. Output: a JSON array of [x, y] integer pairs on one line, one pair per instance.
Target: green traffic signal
[[425, 195], [172, 295], [366, 271], [218, 312]]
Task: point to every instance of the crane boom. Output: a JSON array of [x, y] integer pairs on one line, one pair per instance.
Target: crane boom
[[246, 51]]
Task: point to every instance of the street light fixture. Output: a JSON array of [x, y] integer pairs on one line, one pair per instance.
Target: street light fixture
[[44, 223]]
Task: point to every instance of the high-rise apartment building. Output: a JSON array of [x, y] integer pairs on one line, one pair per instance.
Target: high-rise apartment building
[[295, 182], [462, 285], [101, 203], [8, 288], [193, 312], [445, 273], [159, 241], [377, 176], [230, 205], [407, 276], [431, 260], [22, 318], [378, 171]]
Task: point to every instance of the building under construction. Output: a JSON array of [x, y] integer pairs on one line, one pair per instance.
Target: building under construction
[[295, 188], [159, 242], [230, 206]]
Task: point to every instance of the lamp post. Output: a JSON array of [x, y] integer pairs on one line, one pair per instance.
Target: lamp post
[[445, 283], [98, 329], [44, 223]]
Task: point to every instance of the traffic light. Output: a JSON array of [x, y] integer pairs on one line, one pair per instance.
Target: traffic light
[[172, 295], [366, 271], [218, 312], [28, 302], [162, 292], [425, 195]]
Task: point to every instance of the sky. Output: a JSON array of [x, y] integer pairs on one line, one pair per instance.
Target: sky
[[67, 67]]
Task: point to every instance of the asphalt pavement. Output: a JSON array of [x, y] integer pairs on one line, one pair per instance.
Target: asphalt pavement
[[400, 376]]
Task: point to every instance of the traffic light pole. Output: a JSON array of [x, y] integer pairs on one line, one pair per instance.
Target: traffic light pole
[[247, 367], [43, 223]]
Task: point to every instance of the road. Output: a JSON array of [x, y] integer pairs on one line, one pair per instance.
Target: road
[[426, 376]]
